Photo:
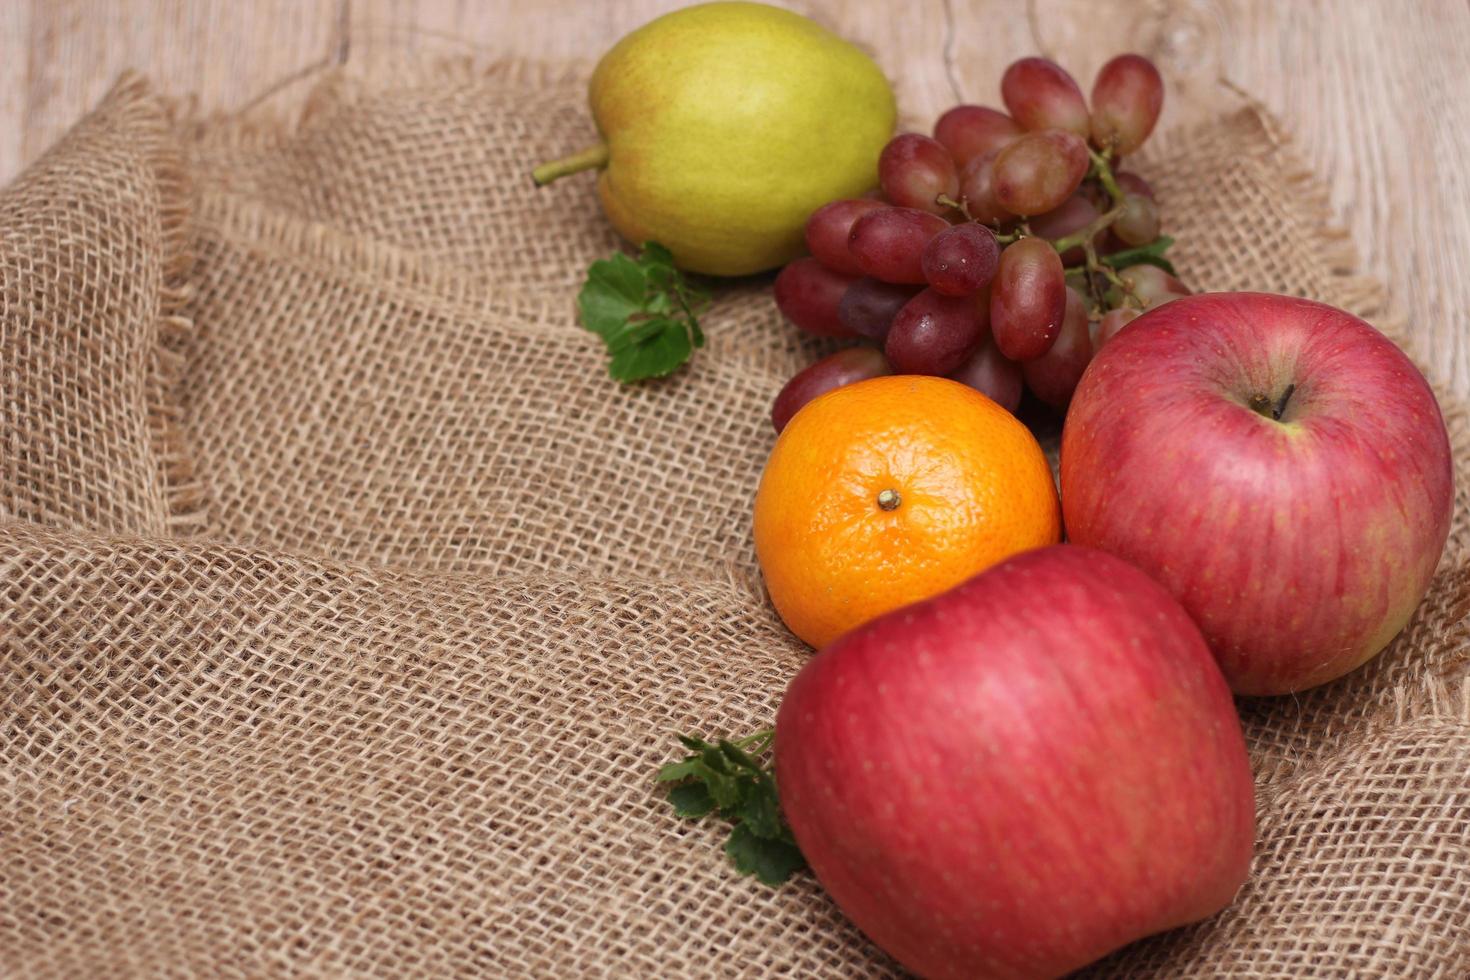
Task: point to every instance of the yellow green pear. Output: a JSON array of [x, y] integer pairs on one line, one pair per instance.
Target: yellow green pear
[[724, 126]]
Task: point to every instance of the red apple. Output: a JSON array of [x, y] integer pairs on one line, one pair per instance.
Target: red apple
[[1279, 465], [1022, 774]]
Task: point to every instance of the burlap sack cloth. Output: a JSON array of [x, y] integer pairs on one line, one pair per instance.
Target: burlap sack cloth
[[348, 606]]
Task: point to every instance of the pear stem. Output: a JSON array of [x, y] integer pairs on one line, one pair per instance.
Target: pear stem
[[593, 156]]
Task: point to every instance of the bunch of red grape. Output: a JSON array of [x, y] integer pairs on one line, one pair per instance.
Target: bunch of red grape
[[1003, 251]]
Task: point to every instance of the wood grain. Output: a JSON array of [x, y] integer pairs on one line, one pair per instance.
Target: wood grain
[[15, 28], [223, 52], [1374, 92]]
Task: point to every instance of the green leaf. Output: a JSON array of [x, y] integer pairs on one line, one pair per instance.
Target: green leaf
[[614, 291], [714, 757], [722, 783], [723, 776], [635, 333], [771, 861], [1150, 254], [692, 800], [760, 812], [658, 256], [651, 357], [739, 757], [644, 310], [693, 744], [675, 771], [1157, 260]]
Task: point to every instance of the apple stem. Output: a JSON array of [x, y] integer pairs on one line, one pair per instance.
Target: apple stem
[[1262, 405], [1279, 409], [593, 156]]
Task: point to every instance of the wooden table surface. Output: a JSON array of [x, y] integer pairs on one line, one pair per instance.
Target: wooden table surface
[[1375, 92]]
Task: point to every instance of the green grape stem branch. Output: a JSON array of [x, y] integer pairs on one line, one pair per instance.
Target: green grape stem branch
[[1095, 271], [1100, 170]]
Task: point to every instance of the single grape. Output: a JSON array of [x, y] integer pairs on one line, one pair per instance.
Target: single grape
[[1152, 285], [1041, 95], [977, 189], [969, 131], [1130, 183], [831, 372], [1027, 299], [1053, 376], [1075, 213], [807, 294], [869, 306], [960, 260], [1139, 222], [889, 243], [989, 372], [934, 333], [914, 170], [827, 230], [1112, 321], [1039, 171], [1126, 99]]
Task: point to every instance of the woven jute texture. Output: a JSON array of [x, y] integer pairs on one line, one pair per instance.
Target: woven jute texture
[[348, 607], [93, 264]]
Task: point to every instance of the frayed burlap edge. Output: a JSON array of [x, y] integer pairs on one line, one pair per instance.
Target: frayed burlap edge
[[152, 123]]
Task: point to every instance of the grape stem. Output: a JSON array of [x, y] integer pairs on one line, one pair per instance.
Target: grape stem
[[1102, 169], [1084, 239], [1086, 235], [960, 205], [1023, 230], [1111, 275]]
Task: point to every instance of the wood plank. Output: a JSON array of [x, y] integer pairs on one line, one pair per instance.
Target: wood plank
[[222, 52], [15, 59], [1375, 95]]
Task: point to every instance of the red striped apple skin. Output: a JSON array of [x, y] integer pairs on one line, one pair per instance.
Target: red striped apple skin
[[1300, 545], [1020, 775]]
